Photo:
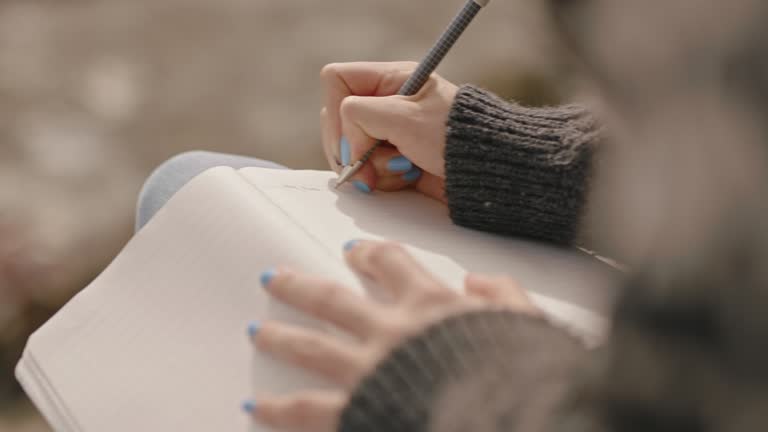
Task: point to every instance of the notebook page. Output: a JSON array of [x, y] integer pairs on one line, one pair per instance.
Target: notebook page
[[157, 341], [38, 389], [570, 286]]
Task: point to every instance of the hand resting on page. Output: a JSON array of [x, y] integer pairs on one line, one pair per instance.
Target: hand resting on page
[[418, 299]]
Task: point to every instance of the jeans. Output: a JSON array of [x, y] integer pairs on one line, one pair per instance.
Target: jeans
[[174, 173]]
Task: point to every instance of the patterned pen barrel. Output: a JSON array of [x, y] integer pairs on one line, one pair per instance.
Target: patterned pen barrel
[[422, 73]]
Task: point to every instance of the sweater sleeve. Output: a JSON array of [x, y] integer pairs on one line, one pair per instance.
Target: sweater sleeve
[[515, 170], [466, 370]]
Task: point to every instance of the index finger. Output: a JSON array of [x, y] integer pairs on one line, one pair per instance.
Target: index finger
[[324, 299]]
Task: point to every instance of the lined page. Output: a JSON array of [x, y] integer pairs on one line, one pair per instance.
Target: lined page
[[570, 286], [158, 342]]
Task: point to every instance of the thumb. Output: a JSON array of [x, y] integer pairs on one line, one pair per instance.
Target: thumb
[[364, 120]]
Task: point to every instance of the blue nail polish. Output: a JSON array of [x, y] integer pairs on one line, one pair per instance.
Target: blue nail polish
[[412, 175], [253, 328], [345, 151], [267, 277], [249, 406], [399, 164], [362, 187], [350, 244]]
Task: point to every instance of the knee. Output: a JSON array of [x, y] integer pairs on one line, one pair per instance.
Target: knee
[[165, 180], [175, 167], [182, 162]]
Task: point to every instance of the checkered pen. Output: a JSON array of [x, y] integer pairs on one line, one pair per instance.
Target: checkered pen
[[424, 71]]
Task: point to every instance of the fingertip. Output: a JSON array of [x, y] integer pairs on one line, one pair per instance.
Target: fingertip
[[352, 252], [399, 164], [412, 175], [267, 276], [253, 329], [348, 246], [361, 186], [249, 406], [365, 179], [345, 151]]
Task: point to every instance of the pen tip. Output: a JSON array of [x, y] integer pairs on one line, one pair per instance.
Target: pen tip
[[344, 175]]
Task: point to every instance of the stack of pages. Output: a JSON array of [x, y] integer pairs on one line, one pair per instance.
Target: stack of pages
[[158, 341]]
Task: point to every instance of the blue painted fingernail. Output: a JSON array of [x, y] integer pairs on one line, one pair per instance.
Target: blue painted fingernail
[[249, 406], [350, 244], [253, 328], [345, 151], [412, 175], [267, 277], [399, 164], [362, 187]]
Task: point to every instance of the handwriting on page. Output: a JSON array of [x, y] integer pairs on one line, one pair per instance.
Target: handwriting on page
[[304, 188]]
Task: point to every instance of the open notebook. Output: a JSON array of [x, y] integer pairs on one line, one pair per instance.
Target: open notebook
[[158, 341]]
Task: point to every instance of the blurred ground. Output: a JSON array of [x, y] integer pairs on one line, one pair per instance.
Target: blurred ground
[[94, 94]]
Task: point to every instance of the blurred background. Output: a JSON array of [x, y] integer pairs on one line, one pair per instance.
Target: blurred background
[[95, 94]]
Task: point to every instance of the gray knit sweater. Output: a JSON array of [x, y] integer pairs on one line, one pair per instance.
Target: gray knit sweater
[[517, 170]]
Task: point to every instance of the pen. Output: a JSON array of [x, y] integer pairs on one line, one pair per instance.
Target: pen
[[424, 71]]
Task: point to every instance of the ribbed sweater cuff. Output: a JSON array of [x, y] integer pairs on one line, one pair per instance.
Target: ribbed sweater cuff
[[477, 358], [517, 170]]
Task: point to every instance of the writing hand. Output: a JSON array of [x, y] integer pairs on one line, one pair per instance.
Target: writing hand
[[362, 106]]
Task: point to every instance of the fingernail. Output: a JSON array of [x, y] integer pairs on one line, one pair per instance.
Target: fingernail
[[249, 406], [345, 151], [253, 328], [412, 175], [362, 187], [267, 277], [399, 164], [350, 244]]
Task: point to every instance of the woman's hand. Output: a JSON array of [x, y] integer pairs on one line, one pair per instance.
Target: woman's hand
[[418, 300], [362, 106]]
